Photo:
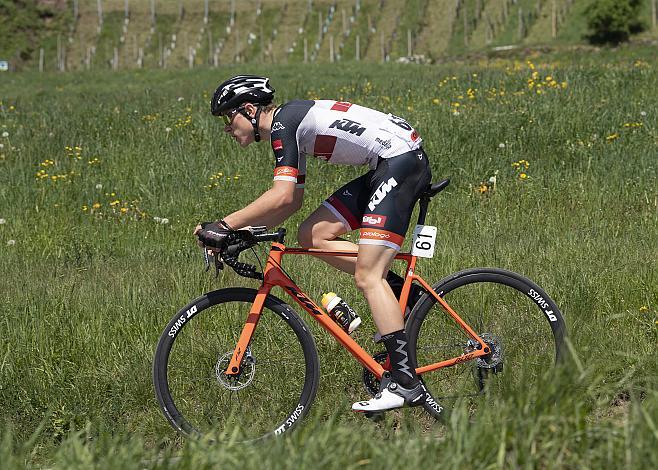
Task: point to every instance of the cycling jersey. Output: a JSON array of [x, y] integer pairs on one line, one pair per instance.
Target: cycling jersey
[[380, 202], [335, 131]]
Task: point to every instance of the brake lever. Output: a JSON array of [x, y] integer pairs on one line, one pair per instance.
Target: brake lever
[[218, 266], [206, 259]]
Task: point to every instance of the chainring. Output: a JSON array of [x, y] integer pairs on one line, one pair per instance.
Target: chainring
[[370, 382]]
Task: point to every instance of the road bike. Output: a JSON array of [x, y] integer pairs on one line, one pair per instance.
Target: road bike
[[242, 364]]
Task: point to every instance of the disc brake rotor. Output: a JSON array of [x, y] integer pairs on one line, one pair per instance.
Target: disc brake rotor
[[240, 380]]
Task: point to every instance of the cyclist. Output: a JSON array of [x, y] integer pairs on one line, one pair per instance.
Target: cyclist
[[378, 203]]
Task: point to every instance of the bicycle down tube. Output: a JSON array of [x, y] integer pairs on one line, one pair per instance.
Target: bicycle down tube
[[273, 276]]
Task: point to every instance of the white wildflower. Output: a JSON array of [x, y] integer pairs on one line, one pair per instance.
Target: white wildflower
[[11, 242], [643, 113], [501, 145], [99, 186], [5, 134], [167, 129], [164, 221], [157, 219], [180, 98], [3, 221]]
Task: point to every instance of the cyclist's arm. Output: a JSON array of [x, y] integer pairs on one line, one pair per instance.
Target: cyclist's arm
[[273, 207]]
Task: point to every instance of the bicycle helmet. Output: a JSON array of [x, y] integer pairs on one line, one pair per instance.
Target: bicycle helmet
[[239, 90]]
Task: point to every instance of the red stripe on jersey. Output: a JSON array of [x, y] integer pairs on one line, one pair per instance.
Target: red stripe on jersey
[[345, 212], [286, 171], [381, 235], [324, 146], [341, 106], [277, 144]]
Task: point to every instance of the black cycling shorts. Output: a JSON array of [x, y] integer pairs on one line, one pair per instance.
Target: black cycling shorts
[[380, 202]]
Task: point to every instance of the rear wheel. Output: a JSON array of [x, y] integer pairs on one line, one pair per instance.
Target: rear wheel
[[278, 378], [519, 322]]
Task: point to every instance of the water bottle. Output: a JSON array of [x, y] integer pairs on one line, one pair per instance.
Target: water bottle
[[342, 313]]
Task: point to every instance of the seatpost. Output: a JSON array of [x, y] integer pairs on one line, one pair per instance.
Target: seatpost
[[424, 201]]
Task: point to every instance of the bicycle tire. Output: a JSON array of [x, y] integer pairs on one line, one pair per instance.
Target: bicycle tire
[[491, 301], [278, 382]]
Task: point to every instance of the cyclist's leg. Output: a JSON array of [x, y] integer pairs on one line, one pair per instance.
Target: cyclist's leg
[[321, 230], [339, 214], [398, 182]]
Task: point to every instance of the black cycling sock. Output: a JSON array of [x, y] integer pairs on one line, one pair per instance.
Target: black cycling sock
[[402, 371]]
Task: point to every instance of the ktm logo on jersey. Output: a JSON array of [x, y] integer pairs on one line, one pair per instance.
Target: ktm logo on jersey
[[348, 125], [381, 193]]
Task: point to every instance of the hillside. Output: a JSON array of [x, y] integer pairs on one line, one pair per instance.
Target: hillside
[[74, 35]]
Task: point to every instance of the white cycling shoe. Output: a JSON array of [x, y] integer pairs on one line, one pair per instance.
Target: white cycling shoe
[[391, 396]]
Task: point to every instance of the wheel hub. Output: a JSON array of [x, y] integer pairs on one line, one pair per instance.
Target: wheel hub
[[244, 376]]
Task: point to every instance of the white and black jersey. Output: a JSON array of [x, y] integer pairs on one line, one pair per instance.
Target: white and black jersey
[[337, 132]]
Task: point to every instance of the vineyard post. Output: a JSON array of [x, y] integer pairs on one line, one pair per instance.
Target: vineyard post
[[521, 25], [305, 50], [465, 13], [210, 51], [41, 59], [408, 42], [331, 48], [554, 19], [99, 7], [358, 52], [344, 22]]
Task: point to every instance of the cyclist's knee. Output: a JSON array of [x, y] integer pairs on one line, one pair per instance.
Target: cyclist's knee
[[305, 235], [366, 280]]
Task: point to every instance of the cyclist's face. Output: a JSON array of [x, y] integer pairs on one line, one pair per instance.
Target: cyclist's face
[[238, 126]]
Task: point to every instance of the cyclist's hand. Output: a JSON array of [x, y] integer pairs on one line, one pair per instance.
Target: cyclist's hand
[[211, 234]]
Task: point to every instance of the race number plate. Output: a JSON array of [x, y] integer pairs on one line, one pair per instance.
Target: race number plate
[[422, 243]]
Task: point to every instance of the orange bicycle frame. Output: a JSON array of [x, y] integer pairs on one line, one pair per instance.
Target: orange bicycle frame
[[274, 276]]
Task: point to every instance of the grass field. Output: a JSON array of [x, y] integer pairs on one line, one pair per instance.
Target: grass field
[[104, 175]]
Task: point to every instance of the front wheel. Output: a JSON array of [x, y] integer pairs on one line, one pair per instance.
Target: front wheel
[[519, 322], [278, 378]]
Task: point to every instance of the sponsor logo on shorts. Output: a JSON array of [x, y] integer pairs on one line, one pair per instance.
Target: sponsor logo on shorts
[[384, 188], [375, 235], [374, 220]]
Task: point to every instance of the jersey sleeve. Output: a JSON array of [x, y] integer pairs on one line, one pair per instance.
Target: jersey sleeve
[[290, 163]]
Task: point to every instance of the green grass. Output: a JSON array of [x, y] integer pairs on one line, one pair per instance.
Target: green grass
[[87, 292]]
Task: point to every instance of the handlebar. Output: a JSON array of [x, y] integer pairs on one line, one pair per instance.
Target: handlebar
[[238, 241]]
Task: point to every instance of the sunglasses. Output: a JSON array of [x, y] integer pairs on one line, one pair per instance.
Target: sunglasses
[[228, 118]]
